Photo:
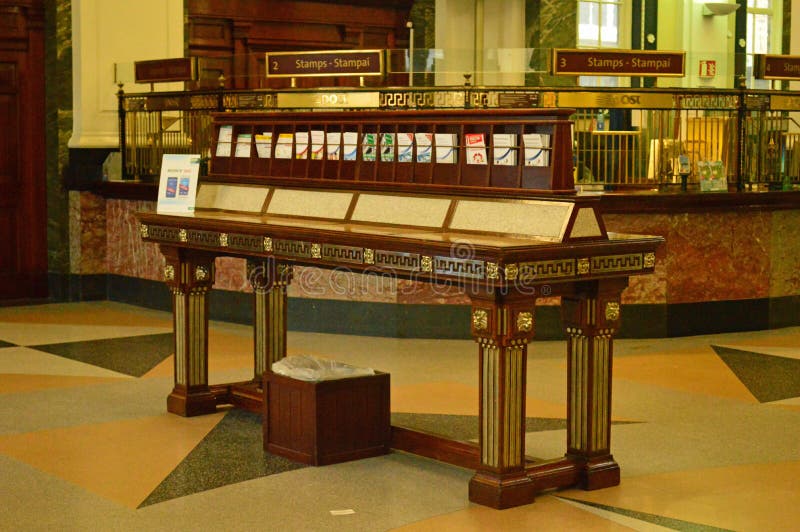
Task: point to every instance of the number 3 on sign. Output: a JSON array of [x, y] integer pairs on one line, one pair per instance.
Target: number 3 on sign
[[562, 63]]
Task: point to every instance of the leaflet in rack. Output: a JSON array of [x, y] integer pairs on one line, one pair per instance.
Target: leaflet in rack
[[442, 148]]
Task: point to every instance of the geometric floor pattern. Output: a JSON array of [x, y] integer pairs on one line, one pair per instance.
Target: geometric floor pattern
[[115, 353], [705, 430], [768, 377]]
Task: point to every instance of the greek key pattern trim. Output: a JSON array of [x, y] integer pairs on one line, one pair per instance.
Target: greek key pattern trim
[[397, 260], [292, 248], [469, 268], [165, 234], [203, 238], [546, 269], [245, 242], [343, 253], [617, 263]]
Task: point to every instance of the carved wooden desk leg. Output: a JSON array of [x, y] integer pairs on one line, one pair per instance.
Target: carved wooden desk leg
[[270, 280], [591, 317], [502, 325], [189, 276]]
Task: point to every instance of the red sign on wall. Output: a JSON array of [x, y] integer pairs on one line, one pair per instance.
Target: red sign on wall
[[570, 62]]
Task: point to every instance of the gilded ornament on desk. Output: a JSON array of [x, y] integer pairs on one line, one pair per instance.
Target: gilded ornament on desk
[[512, 271], [369, 256], [223, 240], [480, 320], [524, 322], [649, 260], [612, 311], [427, 263], [583, 266], [169, 272], [316, 251], [144, 230], [492, 270], [267, 244], [200, 273], [183, 236]]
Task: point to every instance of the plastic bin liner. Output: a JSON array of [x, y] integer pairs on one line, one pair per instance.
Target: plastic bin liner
[[309, 368]]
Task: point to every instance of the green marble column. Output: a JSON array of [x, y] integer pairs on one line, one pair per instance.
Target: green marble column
[[550, 24], [58, 75]]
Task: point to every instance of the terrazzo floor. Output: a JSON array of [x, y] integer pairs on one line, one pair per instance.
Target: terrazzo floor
[[706, 431]]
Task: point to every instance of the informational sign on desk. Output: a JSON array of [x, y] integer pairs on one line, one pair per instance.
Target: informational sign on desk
[[571, 62], [177, 188]]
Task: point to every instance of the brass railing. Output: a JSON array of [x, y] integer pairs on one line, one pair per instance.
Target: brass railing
[[623, 138]]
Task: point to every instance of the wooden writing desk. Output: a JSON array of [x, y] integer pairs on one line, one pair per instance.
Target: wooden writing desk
[[484, 228]]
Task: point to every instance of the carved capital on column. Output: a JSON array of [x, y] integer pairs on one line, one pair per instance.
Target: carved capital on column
[[502, 319], [594, 307], [187, 271]]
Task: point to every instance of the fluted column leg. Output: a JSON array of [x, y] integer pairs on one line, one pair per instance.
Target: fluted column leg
[[270, 280], [591, 317], [502, 325], [190, 277]]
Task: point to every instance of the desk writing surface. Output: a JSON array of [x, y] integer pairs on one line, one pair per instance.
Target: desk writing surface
[[530, 220], [266, 223]]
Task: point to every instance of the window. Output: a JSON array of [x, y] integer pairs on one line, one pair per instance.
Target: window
[[600, 26], [763, 34]]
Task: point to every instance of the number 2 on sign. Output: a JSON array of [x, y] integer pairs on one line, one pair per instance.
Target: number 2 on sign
[[274, 66]]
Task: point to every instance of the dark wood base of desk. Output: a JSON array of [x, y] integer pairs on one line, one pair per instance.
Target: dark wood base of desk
[[495, 491]]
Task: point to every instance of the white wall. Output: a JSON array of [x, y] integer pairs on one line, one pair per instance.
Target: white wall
[[105, 32], [682, 26], [495, 29]]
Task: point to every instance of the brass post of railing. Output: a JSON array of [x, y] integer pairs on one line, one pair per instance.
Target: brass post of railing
[[221, 93], [741, 125], [122, 130]]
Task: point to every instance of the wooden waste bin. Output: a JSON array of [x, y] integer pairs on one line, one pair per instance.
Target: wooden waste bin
[[326, 422]]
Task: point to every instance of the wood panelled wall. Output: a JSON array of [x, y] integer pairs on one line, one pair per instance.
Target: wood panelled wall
[[231, 36], [23, 226]]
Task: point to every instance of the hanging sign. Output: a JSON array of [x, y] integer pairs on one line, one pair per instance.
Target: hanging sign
[[327, 63], [162, 70], [776, 66], [569, 62]]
